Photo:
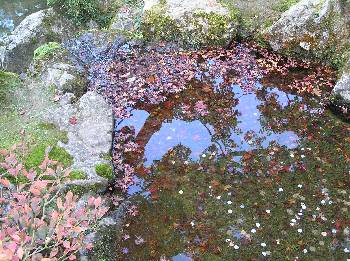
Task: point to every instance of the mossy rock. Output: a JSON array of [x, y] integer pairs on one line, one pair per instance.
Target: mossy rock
[[104, 170], [192, 29]]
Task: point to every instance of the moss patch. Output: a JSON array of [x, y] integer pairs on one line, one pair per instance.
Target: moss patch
[[81, 190], [61, 155], [8, 83], [284, 5], [46, 50], [77, 175], [104, 170], [37, 156]]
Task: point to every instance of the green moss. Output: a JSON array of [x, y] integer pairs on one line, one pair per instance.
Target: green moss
[[36, 157], [46, 50], [267, 23], [61, 155], [106, 156], [8, 83], [104, 170], [284, 5], [77, 175], [339, 58], [81, 190]]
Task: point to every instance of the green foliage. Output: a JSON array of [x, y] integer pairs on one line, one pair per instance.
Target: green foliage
[[284, 5], [46, 50], [104, 170], [81, 11], [77, 175]]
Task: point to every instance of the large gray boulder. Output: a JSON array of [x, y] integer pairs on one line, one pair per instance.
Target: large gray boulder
[[341, 90], [196, 23], [16, 50], [342, 87], [314, 28], [89, 126]]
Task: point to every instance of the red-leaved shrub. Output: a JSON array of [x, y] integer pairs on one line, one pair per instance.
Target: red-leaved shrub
[[38, 220]]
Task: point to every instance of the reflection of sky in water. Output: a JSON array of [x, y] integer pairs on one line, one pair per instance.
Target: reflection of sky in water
[[249, 119], [181, 257], [138, 187], [190, 134], [195, 136], [137, 120]]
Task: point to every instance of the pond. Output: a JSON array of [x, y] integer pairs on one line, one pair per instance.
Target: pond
[[13, 12], [227, 155]]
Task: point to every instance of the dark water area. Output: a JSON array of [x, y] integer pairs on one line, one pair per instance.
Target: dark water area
[[14, 11], [226, 173]]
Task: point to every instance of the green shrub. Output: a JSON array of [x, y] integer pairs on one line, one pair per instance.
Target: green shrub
[[104, 170], [81, 11], [46, 50]]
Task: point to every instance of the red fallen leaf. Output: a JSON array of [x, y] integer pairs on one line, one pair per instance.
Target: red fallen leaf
[[152, 190], [247, 156], [155, 196], [168, 104], [338, 224], [151, 79], [277, 179], [73, 120], [16, 238], [66, 244], [202, 195], [5, 182]]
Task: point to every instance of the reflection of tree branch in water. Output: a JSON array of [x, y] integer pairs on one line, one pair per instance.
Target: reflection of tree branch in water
[[215, 141]]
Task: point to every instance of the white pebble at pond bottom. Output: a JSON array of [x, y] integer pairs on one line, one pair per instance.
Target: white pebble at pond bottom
[[267, 253]]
